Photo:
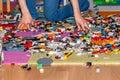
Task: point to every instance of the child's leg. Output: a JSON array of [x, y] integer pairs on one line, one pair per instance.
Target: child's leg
[[32, 9], [53, 13]]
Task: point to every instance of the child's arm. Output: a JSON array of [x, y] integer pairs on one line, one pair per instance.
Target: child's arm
[[81, 23], [26, 16]]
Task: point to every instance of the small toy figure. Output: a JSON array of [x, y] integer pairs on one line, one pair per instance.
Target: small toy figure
[[26, 66], [88, 64]]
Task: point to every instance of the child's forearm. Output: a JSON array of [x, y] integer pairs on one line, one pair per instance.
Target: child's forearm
[[23, 7], [75, 5]]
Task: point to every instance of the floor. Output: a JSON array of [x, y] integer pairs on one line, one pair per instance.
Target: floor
[[8, 72], [104, 13]]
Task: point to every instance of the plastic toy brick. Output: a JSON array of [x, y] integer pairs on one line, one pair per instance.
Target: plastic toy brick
[[28, 44], [108, 52], [66, 55], [39, 65]]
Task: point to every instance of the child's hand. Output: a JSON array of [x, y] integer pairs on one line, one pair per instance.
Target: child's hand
[[81, 23], [26, 21]]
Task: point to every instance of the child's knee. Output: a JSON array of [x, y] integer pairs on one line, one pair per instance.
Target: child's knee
[[50, 17], [87, 4], [84, 4]]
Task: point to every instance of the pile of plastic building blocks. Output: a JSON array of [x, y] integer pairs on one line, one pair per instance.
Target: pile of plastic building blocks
[[62, 39]]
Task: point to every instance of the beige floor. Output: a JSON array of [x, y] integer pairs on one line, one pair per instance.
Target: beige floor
[[73, 59], [61, 73]]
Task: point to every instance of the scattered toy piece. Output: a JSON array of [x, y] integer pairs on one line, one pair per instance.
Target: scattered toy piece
[[41, 70], [88, 64], [27, 67], [98, 70], [44, 61]]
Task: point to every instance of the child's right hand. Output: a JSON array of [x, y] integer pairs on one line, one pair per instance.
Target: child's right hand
[[26, 20]]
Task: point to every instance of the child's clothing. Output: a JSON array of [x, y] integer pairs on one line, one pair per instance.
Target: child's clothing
[[52, 12]]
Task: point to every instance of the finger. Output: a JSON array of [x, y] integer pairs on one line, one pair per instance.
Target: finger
[[86, 25], [83, 27], [86, 31], [19, 25], [78, 26], [28, 26], [33, 23]]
